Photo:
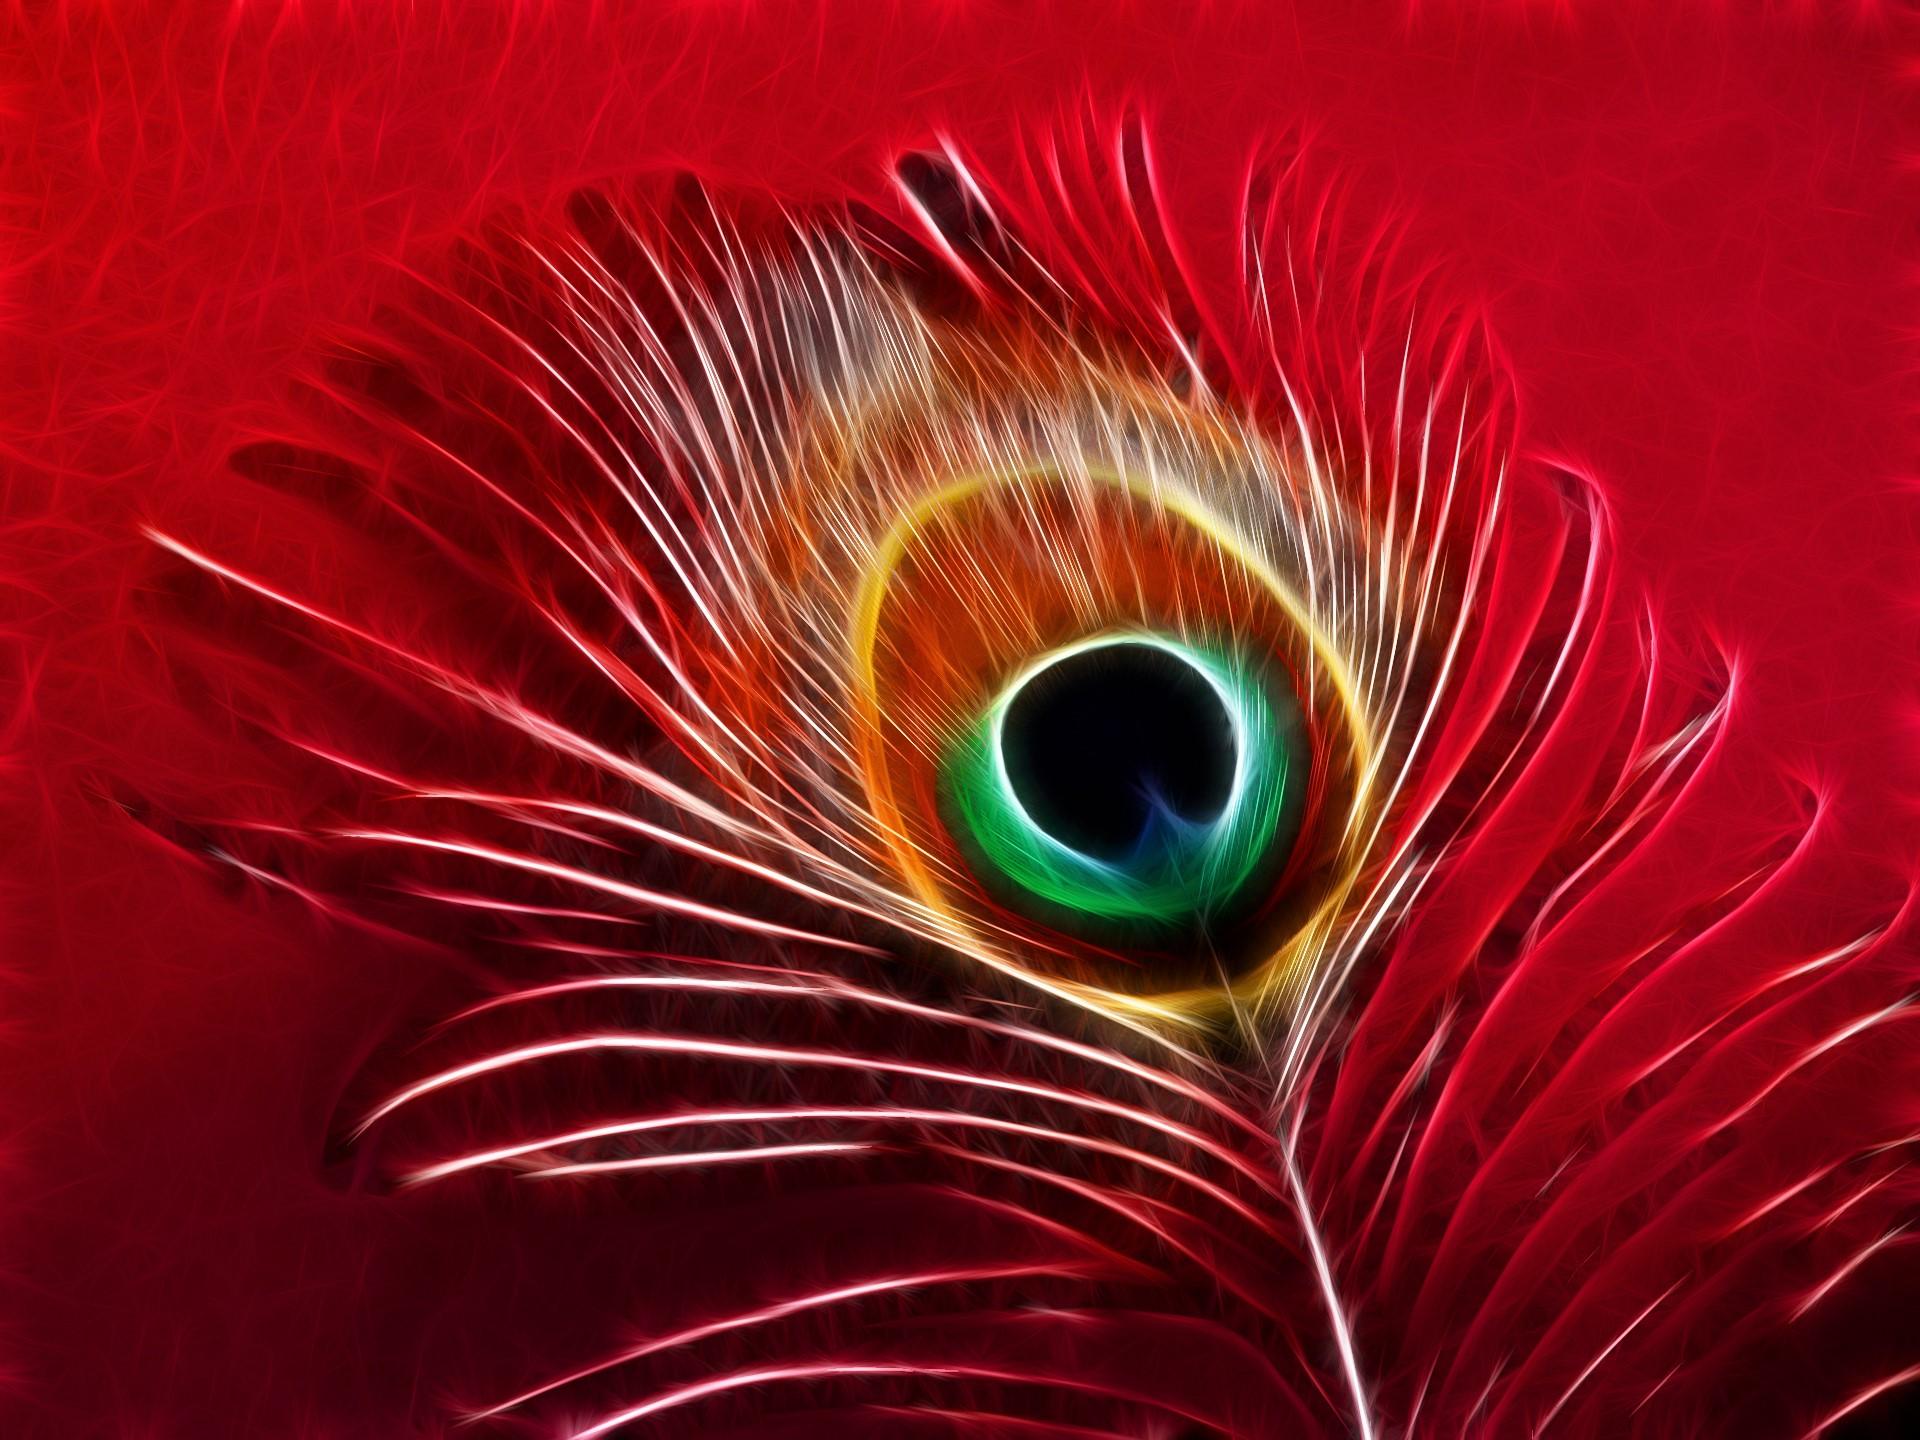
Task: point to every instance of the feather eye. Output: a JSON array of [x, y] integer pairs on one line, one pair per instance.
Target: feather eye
[[1017, 536], [1128, 777]]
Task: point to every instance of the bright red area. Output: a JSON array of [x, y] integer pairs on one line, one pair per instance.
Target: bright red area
[[1694, 230]]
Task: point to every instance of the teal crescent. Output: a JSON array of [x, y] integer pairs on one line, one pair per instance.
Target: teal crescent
[[1181, 872]]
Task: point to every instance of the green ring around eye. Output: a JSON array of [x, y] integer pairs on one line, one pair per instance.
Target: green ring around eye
[[1179, 867]]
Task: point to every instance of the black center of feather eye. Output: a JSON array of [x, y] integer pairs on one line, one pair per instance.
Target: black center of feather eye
[[1105, 741]]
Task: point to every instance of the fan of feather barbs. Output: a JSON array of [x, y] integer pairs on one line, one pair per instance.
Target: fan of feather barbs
[[1056, 814]]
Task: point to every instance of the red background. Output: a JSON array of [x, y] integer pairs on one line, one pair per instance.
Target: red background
[[1695, 232]]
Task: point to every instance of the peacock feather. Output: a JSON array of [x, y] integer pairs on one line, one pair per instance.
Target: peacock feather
[[1058, 810]]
